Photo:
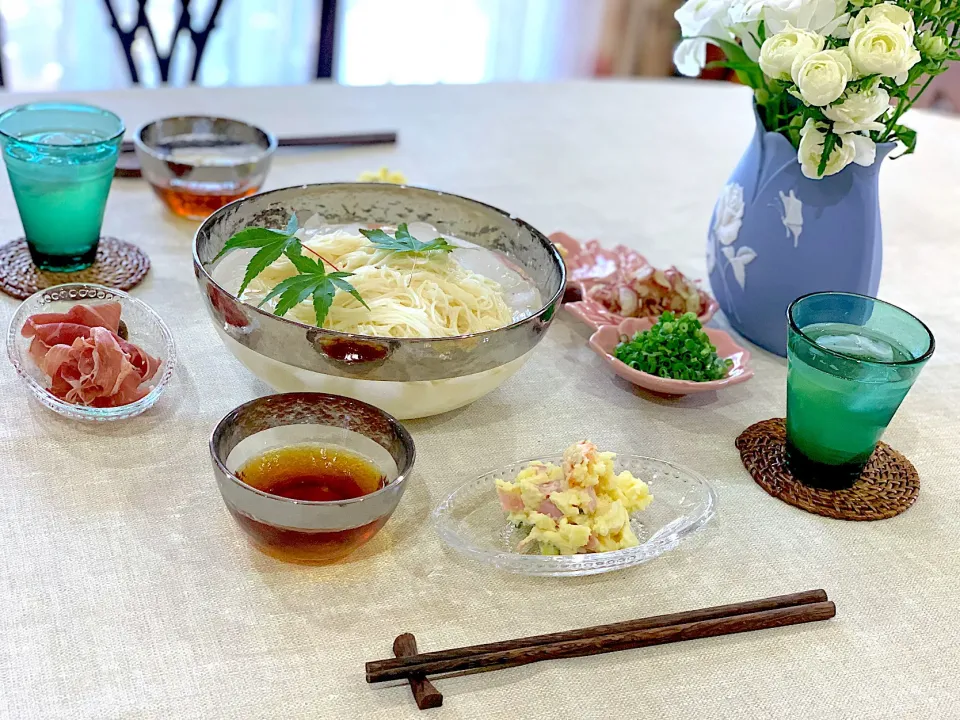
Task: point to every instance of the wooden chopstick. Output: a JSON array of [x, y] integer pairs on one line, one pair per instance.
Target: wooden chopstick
[[719, 611], [711, 622], [128, 164], [424, 693], [369, 138]]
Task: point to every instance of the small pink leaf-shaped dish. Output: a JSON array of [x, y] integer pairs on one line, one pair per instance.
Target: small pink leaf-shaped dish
[[605, 340], [619, 284]]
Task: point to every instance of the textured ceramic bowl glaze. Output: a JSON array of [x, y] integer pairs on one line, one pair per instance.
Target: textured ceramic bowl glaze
[[605, 340], [589, 264], [408, 378]]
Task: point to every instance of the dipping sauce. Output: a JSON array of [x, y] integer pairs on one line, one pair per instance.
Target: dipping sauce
[[310, 472], [198, 200]]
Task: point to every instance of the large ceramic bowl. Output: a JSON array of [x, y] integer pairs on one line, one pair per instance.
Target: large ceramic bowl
[[408, 378]]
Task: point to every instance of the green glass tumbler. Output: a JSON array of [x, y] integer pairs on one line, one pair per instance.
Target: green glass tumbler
[[852, 359], [60, 158]]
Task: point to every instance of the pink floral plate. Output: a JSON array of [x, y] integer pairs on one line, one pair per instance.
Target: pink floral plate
[[605, 340], [597, 272]]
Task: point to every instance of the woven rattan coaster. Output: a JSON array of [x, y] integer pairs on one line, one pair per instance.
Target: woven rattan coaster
[[119, 265], [888, 486]]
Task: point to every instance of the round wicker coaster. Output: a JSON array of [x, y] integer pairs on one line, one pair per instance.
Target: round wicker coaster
[[888, 486], [119, 265]]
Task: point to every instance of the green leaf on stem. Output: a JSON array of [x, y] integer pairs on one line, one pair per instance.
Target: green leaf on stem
[[908, 136], [403, 242], [313, 281], [748, 72], [829, 143]]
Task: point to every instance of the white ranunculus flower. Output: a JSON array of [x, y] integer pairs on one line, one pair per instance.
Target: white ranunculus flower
[[820, 16], [864, 149], [779, 52], [882, 48], [690, 56], [704, 18], [934, 46], [746, 12], [811, 150], [822, 77], [889, 12], [858, 112]]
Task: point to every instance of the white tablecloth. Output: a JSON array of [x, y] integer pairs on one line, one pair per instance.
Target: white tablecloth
[[126, 591]]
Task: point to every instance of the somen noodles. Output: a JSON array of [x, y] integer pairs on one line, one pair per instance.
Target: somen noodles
[[409, 295]]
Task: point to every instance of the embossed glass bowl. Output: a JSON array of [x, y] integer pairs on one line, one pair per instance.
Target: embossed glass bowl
[[407, 377], [145, 328], [472, 522]]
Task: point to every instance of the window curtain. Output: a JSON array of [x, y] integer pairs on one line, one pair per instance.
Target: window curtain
[[467, 41], [69, 45], [638, 38]]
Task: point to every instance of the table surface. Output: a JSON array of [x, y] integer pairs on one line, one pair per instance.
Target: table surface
[[128, 592]]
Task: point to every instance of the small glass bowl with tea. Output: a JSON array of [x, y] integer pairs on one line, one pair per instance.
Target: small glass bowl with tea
[[197, 164], [310, 477]]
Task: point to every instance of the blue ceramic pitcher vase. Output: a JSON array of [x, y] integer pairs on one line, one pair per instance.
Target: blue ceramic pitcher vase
[[776, 235]]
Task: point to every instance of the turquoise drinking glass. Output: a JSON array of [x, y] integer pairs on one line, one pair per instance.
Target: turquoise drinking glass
[[852, 359], [60, 158]]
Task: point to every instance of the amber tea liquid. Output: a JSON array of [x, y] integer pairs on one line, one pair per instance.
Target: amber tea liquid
[[316, 473], [197, 204]]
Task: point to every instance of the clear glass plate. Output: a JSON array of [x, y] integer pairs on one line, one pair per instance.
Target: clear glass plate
[[472, 522], [146, 330]]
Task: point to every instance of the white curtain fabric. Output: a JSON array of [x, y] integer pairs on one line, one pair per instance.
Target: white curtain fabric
[[69, 45], [467, 41]]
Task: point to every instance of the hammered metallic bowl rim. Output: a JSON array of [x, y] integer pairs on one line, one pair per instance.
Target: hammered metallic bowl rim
[[553, 302], [264, 154], [399, 482]]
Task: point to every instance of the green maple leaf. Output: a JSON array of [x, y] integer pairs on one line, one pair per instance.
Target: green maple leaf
[[272, 244], [312, 281], [403, 242]]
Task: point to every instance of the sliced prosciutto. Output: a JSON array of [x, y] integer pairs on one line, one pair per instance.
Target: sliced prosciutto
[[106, 316], [49, 329], [87, 361]]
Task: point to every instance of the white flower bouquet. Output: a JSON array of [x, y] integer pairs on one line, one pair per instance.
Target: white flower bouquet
[[833, 76]]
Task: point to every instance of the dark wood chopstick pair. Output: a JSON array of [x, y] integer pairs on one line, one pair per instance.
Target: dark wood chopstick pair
[[129, 166], [809, 606]]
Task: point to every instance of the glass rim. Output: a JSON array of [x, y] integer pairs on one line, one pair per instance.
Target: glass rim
[[402, 472], [843, 356], [140, 144], [63, 106], [553, 303]]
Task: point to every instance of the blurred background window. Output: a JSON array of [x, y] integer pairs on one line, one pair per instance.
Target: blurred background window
[[70, 44]]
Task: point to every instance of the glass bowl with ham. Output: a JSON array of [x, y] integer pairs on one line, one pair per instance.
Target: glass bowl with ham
[[91, 353]]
